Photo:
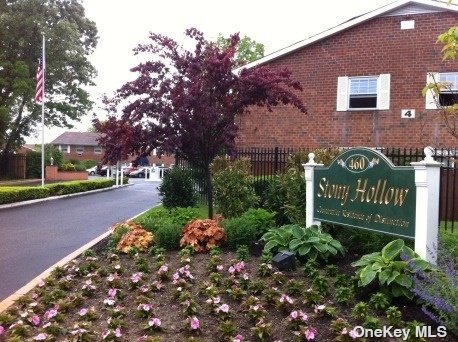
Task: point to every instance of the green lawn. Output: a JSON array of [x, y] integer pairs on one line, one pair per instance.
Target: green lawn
[[447, 226], [202, 210]]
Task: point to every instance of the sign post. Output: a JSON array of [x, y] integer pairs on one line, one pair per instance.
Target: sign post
[[363, 189], [427, 179]]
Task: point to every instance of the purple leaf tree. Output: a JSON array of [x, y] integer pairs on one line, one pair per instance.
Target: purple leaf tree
[[186, 102]]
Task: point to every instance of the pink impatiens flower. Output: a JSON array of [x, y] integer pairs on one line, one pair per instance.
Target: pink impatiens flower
[[223, 308], [109, 302], [319, 308], [163, 269], [136, 277], [294, 314], [144, 307], [352, 333], [117, 332], [112, 293], [155, 322], [237, 338], [35, 320], [286, 299], [40, 337], [82, 312], [2, 330], [195, 324], [310, 334], [50, 313]]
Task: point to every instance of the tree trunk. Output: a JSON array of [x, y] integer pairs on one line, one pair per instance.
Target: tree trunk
[[209, 191]]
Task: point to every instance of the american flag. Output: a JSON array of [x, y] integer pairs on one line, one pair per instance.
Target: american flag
[[39, 90]]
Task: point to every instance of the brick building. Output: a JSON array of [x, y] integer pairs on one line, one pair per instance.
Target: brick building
[[362, 83], [84, 146]]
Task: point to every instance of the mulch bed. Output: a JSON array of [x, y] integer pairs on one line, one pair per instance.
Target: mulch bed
[[84, 284]]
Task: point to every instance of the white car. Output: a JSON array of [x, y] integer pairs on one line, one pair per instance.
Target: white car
[[92, 171]]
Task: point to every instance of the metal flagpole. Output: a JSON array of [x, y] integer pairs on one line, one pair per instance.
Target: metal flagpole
[[43, 118]]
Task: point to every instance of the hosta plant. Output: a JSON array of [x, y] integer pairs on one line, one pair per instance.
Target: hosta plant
[[202, 235], [389, 269], [311, 242]]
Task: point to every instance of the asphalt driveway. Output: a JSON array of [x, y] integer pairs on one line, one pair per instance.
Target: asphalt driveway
[[34, 237]]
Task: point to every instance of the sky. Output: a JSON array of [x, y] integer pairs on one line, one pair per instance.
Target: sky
[[123, 24]]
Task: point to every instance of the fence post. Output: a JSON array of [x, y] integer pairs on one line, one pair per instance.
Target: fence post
[[427, 179], [276, 160], [309, 198]]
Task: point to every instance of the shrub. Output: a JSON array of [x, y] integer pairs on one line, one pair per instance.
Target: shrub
[[285, 194], [249, 227], [232, 187], [67, 167], [389, 269], [202, 235], [135, 238], [158, 217], [311, 242], [18, 194], [168, 235], [13, 194], [177, 188], [438, 291], [129, 235], [360, 241], [33, 163], [58, 189], [275, 197]]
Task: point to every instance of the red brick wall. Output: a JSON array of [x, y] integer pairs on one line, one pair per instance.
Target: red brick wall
[[53, 174], [376, 47], [88, 154]]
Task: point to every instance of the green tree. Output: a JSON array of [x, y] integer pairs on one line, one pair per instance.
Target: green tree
[[70, 38], [448, 113], [248, 49]]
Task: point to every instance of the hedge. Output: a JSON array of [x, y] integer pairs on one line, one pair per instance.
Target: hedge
[[11, 194], [17, 194]]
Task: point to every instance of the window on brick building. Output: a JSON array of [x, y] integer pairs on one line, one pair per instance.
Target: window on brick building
[[80, 149], [64, 148], [97, 149], [369, 92], [448, 94]]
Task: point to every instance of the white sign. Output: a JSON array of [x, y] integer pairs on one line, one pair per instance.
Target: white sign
[[408, 114]]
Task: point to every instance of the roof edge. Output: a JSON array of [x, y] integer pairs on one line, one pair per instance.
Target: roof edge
[[344, 26]]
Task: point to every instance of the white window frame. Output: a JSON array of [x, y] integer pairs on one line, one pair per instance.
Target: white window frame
[[383, 93], [67, 149], [97, 150], [79, 149], [431, 98]]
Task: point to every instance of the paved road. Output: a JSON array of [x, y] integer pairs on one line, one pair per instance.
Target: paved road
[[34, 237]]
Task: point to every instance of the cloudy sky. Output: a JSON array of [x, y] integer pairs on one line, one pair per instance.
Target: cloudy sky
[[122, 24]]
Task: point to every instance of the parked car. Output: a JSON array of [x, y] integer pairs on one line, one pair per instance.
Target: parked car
[[102, 170], [129, 169], [92, 170], [140, 173]]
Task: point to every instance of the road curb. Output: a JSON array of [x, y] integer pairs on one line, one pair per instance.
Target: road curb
[[8, 301], [52, 198]]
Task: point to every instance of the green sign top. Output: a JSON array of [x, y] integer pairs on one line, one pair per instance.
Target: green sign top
[[363, 189]]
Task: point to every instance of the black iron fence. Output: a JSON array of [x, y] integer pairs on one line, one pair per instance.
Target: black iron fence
[[267, 162]]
